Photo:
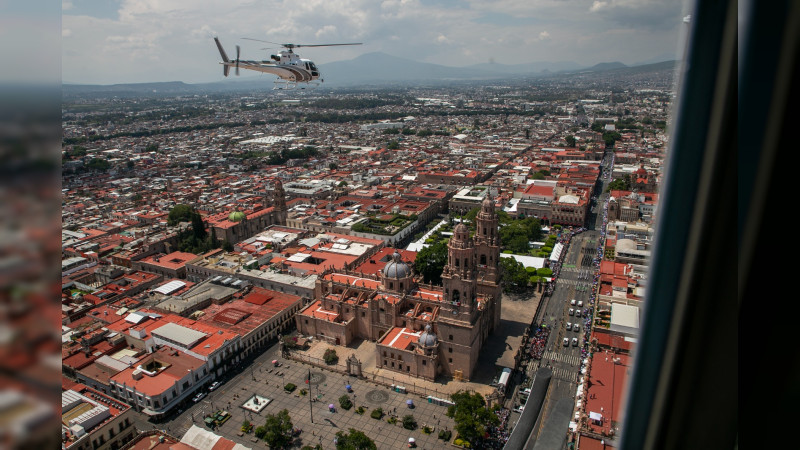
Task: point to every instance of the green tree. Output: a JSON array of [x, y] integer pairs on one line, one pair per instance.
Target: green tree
[[198, 227], [98, 164], [332, 166], [278, 429], [354, 440], [393, 145], [471, 416], [409, 422], [571, 141], [179, 213], [227, 246], [431, 261], [515, 277]]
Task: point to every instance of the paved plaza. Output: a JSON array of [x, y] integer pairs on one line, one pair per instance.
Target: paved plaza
[[265, 380]]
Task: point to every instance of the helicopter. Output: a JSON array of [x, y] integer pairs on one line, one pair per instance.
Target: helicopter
[[287, 65]]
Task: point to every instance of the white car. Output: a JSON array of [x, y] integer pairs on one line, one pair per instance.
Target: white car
[[199, 397], [576, 327], [571, 312], [214, 385], [574, 342], [572, 302], [566, 342], [580, 304]]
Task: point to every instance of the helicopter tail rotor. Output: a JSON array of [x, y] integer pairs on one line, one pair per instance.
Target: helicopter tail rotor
[[237, 60]]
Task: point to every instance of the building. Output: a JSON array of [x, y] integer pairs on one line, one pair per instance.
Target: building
[[91, 420], [425, 331]]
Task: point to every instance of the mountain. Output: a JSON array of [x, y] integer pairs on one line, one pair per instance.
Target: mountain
[[377, 67], [529, 68], [371, 69], [605, 66]]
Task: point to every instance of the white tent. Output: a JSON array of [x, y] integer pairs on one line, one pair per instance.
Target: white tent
[[595, 416]]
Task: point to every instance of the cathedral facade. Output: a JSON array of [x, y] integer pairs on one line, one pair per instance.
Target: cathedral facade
[[421, 330]]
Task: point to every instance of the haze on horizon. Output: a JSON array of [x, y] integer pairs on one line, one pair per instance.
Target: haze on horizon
[[138, 41]]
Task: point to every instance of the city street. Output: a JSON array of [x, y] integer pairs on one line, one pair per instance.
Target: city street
[[326, 388]]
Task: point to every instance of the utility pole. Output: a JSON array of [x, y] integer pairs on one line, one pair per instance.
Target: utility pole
[[310, 404]]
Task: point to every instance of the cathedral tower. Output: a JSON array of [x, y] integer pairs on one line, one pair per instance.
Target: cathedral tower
[[487, 248], [279, 202], [459, 274]]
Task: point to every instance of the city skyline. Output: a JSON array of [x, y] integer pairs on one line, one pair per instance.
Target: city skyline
[[133, 41]]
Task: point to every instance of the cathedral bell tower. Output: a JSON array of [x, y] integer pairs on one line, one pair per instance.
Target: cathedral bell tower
[[487, 249], [279, 202], [459, 274]]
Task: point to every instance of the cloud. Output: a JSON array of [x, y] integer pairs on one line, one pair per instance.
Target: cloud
[[66, 5], [66, 32], [125, 46]]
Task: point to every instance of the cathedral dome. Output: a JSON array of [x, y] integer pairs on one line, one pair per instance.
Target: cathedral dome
[[428, 338], [237, 216], [396, 268], [461, 232]]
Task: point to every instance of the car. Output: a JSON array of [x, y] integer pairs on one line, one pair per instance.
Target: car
[[214, 385], [566, 342], [569, 326], [577, 312], [572, 302], [580, 304], [199, 397], [574, 342], [571, 312], [576, 327]]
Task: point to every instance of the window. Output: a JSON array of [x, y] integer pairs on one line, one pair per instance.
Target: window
[[451, 337], [449, 349], [424, 362], [450, 360]]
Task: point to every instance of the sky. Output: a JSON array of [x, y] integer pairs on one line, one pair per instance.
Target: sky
[[133, 41]]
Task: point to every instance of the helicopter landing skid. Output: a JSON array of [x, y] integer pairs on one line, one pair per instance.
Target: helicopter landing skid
[[292, 85]]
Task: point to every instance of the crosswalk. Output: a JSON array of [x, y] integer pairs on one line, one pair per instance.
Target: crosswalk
[[573, 360], [564, 374]]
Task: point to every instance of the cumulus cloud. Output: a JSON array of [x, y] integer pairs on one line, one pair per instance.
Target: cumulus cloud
[[121, 48]]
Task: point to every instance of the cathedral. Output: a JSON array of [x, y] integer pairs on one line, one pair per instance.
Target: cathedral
[[420, 330]]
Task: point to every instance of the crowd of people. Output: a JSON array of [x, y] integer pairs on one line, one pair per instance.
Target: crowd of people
[[539, 341], [498, 435]]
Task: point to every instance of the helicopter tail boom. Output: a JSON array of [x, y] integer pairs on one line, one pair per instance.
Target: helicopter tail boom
[[225, 67]]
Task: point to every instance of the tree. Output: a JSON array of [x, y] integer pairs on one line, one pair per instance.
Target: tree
[[409, 422], [98, 164], [515, 277], [330, 356], [332, 166], [227, 246], [198, 227], [471, 416], [570, 140], [354, 440], [393, 145], [431, 261], [179, 213], [278, 429], [345, 402]]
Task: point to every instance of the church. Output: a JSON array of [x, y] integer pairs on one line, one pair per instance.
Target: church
[[420, 330]]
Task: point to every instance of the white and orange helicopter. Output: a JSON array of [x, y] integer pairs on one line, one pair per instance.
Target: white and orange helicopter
[[287, 65]]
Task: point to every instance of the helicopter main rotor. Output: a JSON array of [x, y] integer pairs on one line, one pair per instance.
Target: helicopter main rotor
[[291, 46]]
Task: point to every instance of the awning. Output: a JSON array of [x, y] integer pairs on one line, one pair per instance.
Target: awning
[[596, 416]]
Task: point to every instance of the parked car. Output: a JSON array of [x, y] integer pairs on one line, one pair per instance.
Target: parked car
[[576, 327], [569, 326], [574, 342], [580, 304], [214, 385], [199, 397], [571, 312], [566, 342], [573, 302]]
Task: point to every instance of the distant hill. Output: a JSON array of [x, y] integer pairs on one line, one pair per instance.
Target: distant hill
[[606, 66], [372, 69]]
